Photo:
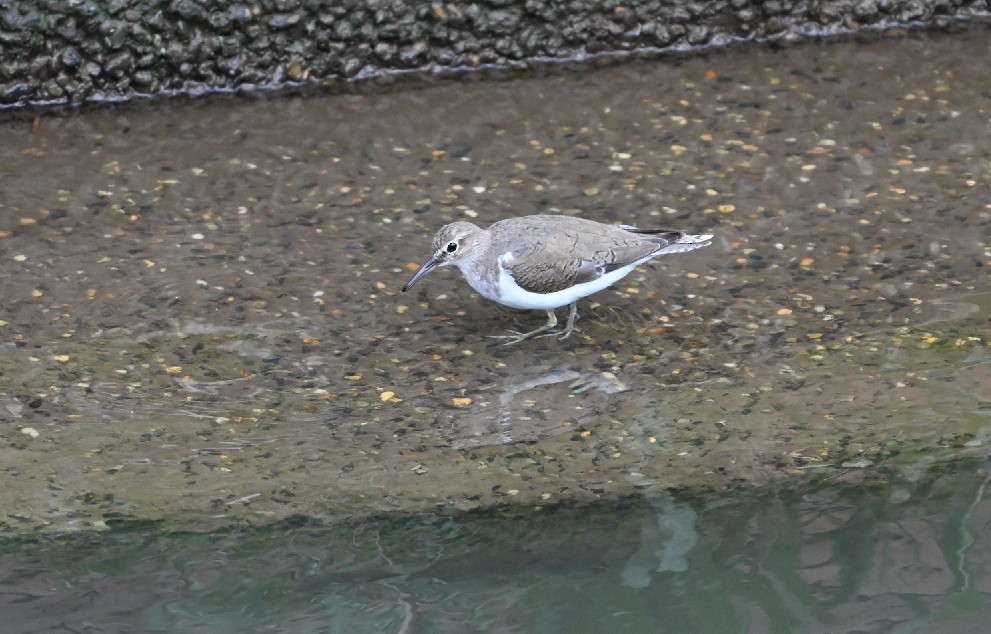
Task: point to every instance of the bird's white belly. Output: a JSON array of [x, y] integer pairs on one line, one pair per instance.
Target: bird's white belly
[[507, 292]]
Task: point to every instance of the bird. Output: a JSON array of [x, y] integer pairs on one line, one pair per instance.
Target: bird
[[544, 262]]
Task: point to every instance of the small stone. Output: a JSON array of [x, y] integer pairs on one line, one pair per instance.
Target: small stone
[[240, 13], [188, 9], [284, 20], [120, 63]]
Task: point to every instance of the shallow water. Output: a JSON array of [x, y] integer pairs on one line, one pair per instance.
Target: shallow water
[[906, 556], [202, 326]]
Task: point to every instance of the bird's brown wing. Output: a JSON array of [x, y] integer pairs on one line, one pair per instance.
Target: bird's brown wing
[[570, 258]]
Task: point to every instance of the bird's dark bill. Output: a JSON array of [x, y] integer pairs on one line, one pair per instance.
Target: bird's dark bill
[[426, 268]]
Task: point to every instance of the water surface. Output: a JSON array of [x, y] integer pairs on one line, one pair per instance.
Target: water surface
[[906, 556]]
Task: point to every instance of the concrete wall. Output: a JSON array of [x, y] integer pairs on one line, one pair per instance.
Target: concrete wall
[[72, 51]]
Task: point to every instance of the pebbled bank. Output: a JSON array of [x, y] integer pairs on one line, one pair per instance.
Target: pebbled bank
[[76, 51]]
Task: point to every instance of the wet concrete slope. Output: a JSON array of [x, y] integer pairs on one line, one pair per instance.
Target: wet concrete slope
[[201, 319]]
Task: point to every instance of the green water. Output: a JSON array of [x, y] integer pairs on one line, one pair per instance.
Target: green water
[[906, 554]]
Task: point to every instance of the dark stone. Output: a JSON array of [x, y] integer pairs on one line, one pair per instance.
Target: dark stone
[[254, 76], [143, 79], [118, 36], [241, 13], [445, 57], [221, 21], [254, 33], [343, 30], [40, 67], [12, 38], [351, 67], [68, 30], [508, 48], [31, 20], [366, 32], [502, 22], [53, 90], [411, 56], [385, 51], [155, 22], [175, 52], [114, 7], [189, 9], [283, 20], [913, 10], [77, 90], [698, 35], [11, 19], [141, 40], [205, 74], [828, 12], [119, 64], [89, 9]]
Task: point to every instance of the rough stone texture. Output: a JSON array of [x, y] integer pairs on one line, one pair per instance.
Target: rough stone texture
[[73, 51]]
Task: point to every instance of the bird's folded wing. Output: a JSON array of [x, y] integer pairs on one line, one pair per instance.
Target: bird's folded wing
[[545, 269]]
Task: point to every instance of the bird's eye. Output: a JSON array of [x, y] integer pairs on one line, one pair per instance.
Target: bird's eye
[[452, 247]]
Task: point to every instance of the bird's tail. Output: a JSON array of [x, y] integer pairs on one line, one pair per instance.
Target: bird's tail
[[687, 242], [677, 241]]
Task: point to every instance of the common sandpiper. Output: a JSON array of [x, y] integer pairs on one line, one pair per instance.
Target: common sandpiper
[[544, 262]]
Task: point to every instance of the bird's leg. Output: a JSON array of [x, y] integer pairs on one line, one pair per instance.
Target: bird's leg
[[517, 337], [547, 330], [570, 328]]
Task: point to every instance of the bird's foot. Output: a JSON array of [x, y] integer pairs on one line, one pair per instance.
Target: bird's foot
[[515, 336], [562, 334], [547, 330]]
